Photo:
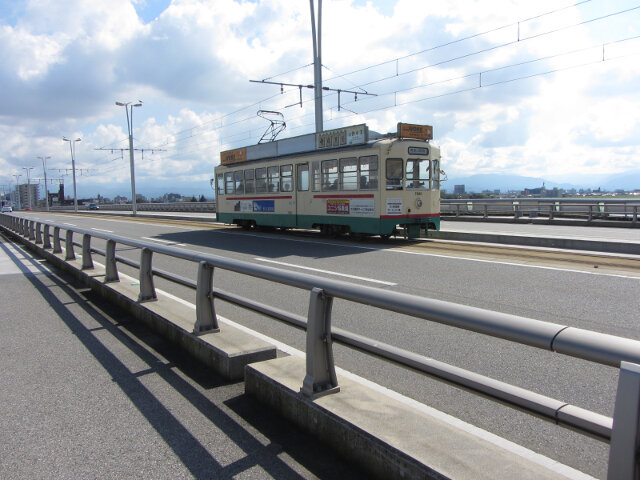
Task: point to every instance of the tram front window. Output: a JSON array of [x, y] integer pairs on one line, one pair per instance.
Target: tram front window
[[417, 174], [394, 174]]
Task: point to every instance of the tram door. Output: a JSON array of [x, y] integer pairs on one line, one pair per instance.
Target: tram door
[[302, 186]]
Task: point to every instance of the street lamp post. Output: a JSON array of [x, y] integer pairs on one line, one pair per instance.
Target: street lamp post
[[73, 167], [46, 189], [28, 169], [129, 113], [18, 190]]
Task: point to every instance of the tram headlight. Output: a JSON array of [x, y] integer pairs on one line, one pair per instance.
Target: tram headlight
[[419, 202]]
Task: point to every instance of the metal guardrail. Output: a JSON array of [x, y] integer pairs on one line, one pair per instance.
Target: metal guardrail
[[209, 207], [622, 431], [544, 207]]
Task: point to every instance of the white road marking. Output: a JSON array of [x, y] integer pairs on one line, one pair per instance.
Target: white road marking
[[70, 224], [452, 257], [101, 230], [366, 279], [167, 242]]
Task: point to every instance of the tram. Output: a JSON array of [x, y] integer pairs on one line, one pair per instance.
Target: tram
[[345, 181]]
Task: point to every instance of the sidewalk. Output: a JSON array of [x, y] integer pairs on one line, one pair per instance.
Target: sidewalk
[[86, 392]]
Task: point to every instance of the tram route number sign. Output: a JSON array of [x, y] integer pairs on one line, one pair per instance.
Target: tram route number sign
[[230, 157], [420, 132]]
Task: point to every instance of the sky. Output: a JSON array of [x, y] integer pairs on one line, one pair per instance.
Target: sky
[[546, 89]]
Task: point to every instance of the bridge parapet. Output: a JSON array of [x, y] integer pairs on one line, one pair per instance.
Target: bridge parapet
[[320, 380]]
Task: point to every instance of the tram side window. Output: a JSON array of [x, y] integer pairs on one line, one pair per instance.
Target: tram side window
[[286, 178], [303, 177], [261, 180], [394, 174], [229, 185], [249, 181], [417, 174], [349, 173], [315, 175], [330, 175], [368, 172], [239, 181], [273, 178], [220, 184], [435, 164]]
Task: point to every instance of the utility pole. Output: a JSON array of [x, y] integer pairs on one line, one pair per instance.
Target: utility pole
[[73, 166], [46, 189], [28, 169], [129, 114], [317, 62], [18, 190]]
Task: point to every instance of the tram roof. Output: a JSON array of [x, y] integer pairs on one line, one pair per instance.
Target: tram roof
[[340, 139]]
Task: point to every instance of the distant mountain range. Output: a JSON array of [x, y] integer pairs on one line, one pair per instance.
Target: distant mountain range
[[504, 183]]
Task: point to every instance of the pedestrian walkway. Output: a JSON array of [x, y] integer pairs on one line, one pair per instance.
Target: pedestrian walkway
[[86, 392]]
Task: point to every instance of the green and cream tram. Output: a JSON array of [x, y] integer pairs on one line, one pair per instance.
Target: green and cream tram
[[339, 181]]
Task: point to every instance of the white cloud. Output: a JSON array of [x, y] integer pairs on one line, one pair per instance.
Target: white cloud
[[65, 63]]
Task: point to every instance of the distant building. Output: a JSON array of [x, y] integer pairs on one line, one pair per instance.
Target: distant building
[[536, 192], [28, 194], [458, 189]]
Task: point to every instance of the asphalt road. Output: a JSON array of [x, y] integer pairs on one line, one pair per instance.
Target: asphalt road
[[549, 287]]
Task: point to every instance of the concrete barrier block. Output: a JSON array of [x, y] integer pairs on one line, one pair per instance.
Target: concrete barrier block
[[383, 435]]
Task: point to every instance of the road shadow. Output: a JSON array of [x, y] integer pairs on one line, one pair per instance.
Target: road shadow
[[281, 243], [267, 441]]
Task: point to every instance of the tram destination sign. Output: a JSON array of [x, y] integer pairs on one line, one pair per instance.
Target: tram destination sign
[[419, 132], [230, 157], [340, 137]]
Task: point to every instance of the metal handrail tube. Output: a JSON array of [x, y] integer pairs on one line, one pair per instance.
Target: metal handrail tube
[[292, 319], [585, 421], [185, 282]]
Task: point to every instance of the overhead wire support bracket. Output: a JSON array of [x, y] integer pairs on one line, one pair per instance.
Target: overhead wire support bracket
[[300, 87]]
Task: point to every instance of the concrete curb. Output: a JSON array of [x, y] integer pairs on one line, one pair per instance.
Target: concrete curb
[[385, 437], [628, 248]]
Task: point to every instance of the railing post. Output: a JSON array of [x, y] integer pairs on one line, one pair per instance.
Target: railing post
[[38, 233], [110, 263], [147, 290], [590, 213], [46, 240], [486, 210], [32, 230], [68, 246], [635, 214], [625, 437], [457, 210], [56, 240], [206, 320], [87, 261], [321, 377]]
